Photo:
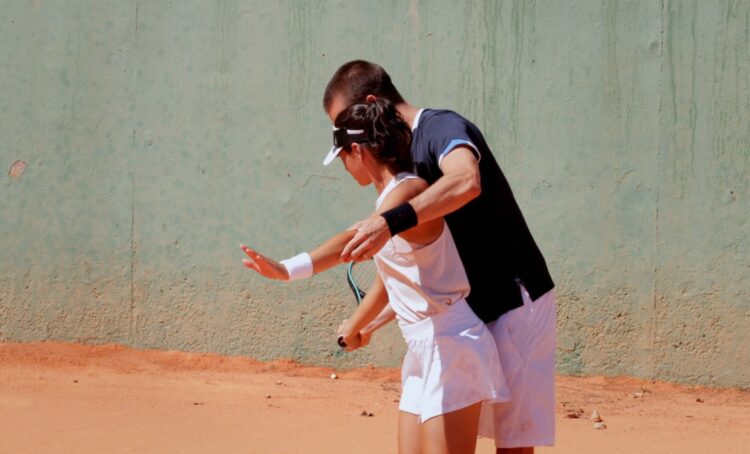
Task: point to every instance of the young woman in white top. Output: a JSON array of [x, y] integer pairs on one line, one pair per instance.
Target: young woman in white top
[[451, 365]]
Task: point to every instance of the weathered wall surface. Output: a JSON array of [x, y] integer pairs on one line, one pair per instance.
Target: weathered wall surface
[[158, 135]]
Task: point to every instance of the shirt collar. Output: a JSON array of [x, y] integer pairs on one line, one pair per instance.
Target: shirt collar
[[416, 119]]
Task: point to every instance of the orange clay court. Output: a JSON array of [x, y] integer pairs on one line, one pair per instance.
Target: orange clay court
[[69, 398]]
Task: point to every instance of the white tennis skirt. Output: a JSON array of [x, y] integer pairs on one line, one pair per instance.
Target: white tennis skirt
[[451, 363]]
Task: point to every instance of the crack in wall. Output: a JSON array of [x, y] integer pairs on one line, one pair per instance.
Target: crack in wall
[[132, 322], [131, 328], [655, 283], [137, 5]]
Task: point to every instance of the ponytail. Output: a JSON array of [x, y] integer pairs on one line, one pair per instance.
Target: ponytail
[[388, 135]]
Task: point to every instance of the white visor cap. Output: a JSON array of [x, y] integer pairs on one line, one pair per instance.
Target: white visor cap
[[342, 138]]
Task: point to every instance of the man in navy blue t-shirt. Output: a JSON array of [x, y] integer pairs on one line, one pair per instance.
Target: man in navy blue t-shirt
[[511, 288]]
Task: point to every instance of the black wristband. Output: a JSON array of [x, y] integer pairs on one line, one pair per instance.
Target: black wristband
[[401, 218]]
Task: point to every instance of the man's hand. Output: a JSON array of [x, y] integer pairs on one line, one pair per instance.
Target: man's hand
[[372, 234], [264, 266]]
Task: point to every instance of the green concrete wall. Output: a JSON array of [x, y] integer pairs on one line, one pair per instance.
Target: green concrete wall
[[158, 135]]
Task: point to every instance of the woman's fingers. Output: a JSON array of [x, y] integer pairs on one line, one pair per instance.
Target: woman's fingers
[[250, 253], [252, 265], [263, 265], [254, 255]]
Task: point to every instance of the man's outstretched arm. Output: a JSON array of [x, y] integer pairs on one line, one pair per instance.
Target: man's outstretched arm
[[459, 185]]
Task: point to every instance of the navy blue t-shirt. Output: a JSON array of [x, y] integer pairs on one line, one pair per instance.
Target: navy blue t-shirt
[[493, 240]]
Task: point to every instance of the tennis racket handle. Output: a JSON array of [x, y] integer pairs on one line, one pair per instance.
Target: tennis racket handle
[[341, 342]]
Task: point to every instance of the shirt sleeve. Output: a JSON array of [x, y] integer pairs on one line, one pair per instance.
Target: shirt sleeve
[[449, 131]]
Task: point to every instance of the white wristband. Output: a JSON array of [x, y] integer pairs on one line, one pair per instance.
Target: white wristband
[[299, 267]]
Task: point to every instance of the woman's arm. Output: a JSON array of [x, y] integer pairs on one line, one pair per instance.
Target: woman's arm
[[328, 254], [373, 304], [325, 256], [385, 316]]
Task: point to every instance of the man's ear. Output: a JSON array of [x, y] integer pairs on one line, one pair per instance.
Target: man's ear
[[370, 98]]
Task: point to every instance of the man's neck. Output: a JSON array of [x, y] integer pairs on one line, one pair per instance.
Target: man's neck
[[408, 112]]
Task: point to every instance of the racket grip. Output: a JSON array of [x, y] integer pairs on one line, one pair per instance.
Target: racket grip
[[341, 342]]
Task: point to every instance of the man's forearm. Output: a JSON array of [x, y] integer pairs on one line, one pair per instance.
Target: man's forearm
[[459, 184], [449, 193]]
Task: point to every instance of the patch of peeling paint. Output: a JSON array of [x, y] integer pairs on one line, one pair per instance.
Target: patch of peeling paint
[[17, 168]]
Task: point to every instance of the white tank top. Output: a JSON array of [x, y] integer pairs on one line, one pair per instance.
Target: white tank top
[[421, 280]]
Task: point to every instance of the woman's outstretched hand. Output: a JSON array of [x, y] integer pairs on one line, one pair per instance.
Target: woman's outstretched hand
[[263, 265]]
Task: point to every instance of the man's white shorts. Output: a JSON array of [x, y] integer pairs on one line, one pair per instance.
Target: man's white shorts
[[526, 342], [451, 363]]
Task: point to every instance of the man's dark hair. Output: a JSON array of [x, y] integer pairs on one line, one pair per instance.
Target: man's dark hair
[[355, 80]]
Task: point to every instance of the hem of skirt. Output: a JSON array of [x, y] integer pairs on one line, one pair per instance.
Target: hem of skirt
[[443, 410]]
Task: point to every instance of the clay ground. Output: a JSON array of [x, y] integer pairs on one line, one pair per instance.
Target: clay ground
[[67, 398]]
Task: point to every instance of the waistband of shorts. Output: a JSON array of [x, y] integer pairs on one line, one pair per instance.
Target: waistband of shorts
[[454, 319]]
